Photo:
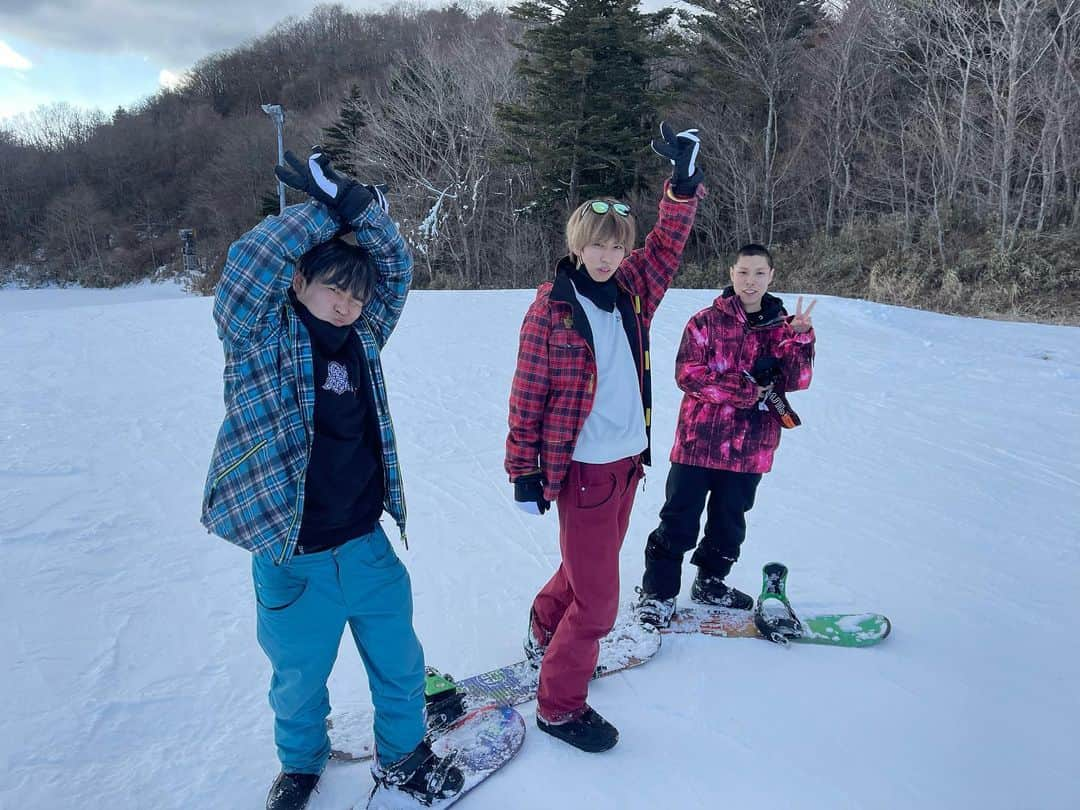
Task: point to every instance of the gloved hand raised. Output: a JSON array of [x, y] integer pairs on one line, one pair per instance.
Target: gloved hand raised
[[529, 494], [682, 150], [345, 198]]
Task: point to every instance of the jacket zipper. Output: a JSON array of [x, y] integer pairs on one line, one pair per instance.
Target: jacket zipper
[[307, 434], [382, 450], [231, 467]]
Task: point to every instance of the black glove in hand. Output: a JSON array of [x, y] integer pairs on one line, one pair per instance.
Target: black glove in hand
[[766, 371], [780, 409], [766, 375], [682, 150], [529, 494], [345, 198]]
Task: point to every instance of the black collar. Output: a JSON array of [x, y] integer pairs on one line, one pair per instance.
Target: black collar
[[601, 293], [771, 312], [329, 338]]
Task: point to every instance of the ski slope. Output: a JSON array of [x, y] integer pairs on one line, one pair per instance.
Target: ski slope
[[935, 479]]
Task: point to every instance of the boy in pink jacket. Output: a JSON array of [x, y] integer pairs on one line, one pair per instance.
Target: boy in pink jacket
[[736, 361]]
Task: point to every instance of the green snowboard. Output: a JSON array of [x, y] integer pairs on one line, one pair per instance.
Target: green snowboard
[[835, 629], [774, 620]]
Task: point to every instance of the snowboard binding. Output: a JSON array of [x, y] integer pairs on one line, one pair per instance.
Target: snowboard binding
[[445, 703], [773, 616]]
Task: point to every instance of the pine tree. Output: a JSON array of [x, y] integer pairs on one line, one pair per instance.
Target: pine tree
[[588, 112], [339, 138]]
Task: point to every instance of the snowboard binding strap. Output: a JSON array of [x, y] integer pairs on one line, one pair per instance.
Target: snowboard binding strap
[[773, 616]]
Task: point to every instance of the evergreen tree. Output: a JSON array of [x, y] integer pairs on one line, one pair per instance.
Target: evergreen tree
[[339, 137], [588, 113], [269, 203]]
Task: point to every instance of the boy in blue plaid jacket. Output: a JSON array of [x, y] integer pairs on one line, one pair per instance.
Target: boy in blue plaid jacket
[[306, 462]]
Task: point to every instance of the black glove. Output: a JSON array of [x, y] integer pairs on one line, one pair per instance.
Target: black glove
[[529, 494], [780, 409], [345, 198], [766, 371], [682, 151]]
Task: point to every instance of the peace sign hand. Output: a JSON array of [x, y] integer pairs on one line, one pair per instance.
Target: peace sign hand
[[800, 322]]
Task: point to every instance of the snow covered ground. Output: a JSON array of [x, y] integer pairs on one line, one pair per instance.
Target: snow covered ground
[[935, 479], [16, 299]]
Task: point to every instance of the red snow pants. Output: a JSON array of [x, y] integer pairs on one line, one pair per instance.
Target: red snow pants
[[577, 607]]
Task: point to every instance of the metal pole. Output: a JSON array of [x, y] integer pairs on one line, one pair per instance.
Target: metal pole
[[278, 114]]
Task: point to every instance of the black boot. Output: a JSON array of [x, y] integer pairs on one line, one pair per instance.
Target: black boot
[[291, 791], [710, 590], [422, 776], [589, 732], [650, 609]]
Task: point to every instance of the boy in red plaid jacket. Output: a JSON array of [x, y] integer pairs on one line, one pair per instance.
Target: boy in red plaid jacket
[[580, 409]]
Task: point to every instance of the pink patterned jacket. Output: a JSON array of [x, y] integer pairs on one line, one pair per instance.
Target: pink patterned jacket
[[720, 426]]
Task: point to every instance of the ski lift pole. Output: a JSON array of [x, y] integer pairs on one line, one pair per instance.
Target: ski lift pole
[[278, 114]]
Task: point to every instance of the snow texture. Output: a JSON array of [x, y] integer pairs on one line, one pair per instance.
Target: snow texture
[[934, 480]]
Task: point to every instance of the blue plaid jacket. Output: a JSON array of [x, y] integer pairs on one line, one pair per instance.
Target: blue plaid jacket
[[254, 493]]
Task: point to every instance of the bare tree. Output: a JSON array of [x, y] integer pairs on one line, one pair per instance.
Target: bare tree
[[434, 130], [845, 77]]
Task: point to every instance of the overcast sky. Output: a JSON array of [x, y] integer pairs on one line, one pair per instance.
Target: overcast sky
[[110, 53], [106, 53]]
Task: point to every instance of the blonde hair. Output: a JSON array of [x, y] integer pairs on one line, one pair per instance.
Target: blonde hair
[[585, 226]]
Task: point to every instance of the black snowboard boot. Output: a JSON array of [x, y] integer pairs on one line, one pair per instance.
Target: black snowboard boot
[[653, 611], [710, 590], [418, 777], [291, 791], [589, 732]]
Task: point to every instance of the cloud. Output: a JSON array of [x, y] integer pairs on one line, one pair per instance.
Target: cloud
[[10, 59], [170, 80], [166, 31]]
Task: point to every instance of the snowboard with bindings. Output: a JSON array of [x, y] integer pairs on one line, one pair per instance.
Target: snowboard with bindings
[[629, 644], [774, 619], [479, 742]]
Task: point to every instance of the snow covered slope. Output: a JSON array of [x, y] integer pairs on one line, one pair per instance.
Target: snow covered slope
[[936, 479]]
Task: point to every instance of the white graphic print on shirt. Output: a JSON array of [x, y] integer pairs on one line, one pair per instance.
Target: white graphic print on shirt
[[337, 378]]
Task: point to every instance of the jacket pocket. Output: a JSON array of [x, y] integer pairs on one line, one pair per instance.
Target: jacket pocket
[[568, 361], [229, 470]]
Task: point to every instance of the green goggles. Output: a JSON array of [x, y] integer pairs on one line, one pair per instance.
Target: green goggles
[[603, 206]]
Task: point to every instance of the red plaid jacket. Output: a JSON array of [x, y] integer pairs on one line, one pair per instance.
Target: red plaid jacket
[[555, 380]]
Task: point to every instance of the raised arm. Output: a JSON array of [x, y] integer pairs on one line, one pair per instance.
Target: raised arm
[[363, 209], [379, 236], [796, 349], [648, 271], [260, 267]]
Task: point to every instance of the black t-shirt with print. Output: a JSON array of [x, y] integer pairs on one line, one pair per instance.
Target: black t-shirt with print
[[343, 491]]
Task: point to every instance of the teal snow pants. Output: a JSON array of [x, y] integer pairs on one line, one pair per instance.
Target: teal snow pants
[[303, 607]]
